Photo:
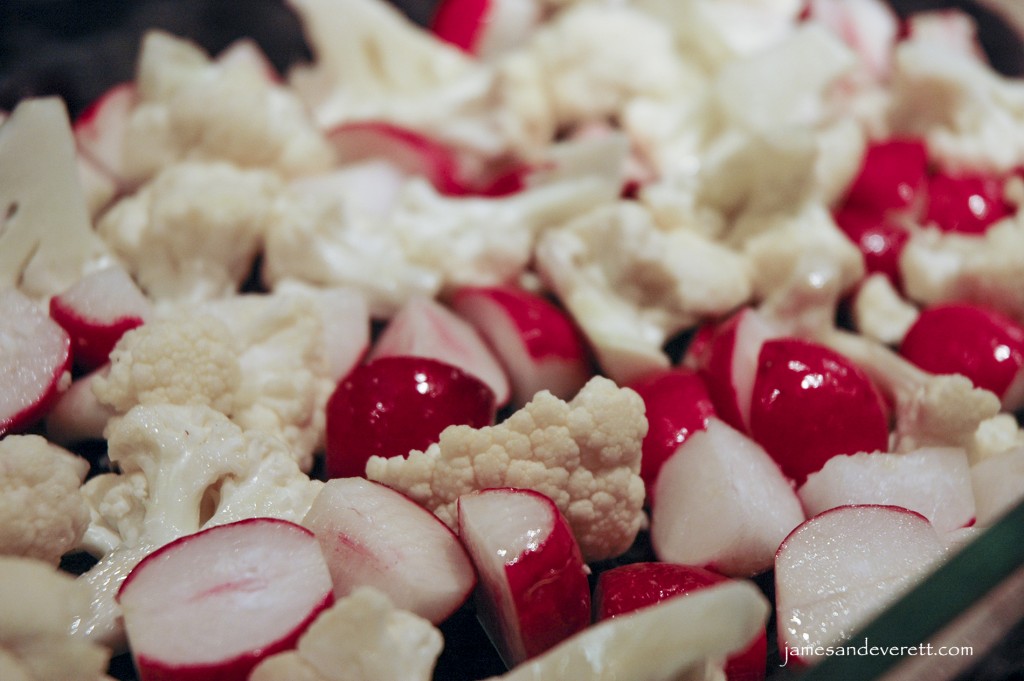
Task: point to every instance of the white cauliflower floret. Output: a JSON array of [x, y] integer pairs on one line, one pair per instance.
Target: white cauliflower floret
[[942, 410], [193, 108], [193, 232], [994, 436], [631, 285], [182, 468], [880, 312], [39, 604], [584, 454], [42, 515], [985, 268], [46, 238], [362, 637]]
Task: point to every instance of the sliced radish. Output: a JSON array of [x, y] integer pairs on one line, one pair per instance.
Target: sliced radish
[[374, 536], [424, 327], [533, 589], [678, 404], [721, 502], [935, 482], [35, 362], [393, 405], [628, 588], [485, 28], [843, 566], [980, 343], [77, 415], [536, 342], [100, 129], [728, 363], [211, 605], [810, 403], [97, 311]]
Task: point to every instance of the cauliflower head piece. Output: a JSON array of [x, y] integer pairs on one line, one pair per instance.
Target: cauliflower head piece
[[42, 514], [583, 454]]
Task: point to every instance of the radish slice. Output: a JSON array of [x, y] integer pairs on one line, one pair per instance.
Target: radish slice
[[211, 605]]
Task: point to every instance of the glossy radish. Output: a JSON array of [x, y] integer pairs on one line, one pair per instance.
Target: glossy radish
[[721, 502], [374, 536], [533, 591], [810, 403], [879, 238], [211, 605], [628, 588], [35, 362], [678, 404], [537, 343], [893, 176], [393, 405], [933, 481], [485, 28], [423, 327], [965, 204], [842, 567], [97, 311]]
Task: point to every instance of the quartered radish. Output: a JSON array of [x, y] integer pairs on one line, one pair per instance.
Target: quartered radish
[[424, 327], [393, 405], [35, 362], [841, 567], [97, 311], [628, 588], [533, 591], [721, 502], [374, 536], [211, 605], [536, 341]]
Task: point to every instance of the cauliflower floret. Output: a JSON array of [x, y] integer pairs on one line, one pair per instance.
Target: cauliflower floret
[[362, 637], [994, 436], [39, 604], [631, 286], [942, 410], [193, 232], [193, 108], [183, 468], [880, 312], [584, 454], [42, 515]]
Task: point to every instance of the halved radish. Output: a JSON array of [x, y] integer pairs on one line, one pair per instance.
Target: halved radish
[[211, 605], [77, 415], [35, 361], [843, 566], [374, 536], [424, 327], [100, 129], [536, 342], [533, 590], [721, 502], [485, 28], [97, 311]]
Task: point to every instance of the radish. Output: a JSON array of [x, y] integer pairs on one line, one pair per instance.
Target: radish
[[100, 129], [533, 590], [810, 403], [486, 28], [934, 481], [393, 405], [374, 536], [211, 605], [678, 405], [721, 502], [728, 363], [77, 415], [424, 327], [35, 362], [843, 566], [893, 176], [880, 239], [537, 343], [967, 203], [983, 344], [97, 311], [628, 588]]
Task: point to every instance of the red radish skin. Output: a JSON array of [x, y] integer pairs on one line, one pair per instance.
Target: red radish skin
[[879, 239], [627, 588], [393, 405], [96, 312], [536, 341], [35, 364], [810, 403], [533, 590], [99, 129], [966, 204], [678, 404], [374, 536], [983, 344], [210, 606], [461, 22], [893, 176]]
